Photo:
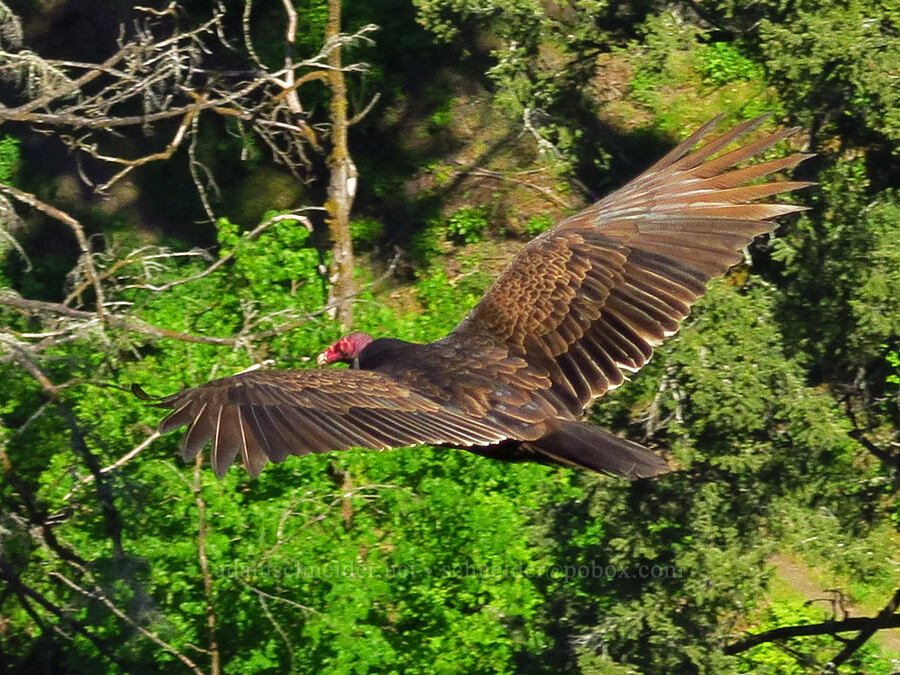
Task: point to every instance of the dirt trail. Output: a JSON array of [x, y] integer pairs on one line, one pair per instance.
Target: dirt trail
[[801, 579]]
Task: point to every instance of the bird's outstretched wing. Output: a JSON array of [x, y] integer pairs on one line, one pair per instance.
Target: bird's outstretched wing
[[575, 310], [268, 415], [588, 301]]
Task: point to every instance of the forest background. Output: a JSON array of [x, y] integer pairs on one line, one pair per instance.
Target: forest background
[[190, 190]]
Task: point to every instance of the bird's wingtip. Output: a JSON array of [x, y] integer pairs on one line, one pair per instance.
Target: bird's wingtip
[[138, 391]]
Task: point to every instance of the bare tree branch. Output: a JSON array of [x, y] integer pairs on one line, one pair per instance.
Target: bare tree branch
[[248, 236], [545, 192], [888, 615], [96, 593], [866, 627], [292, 603], [358, 117], [124, 459], [26, 593], [130, 324], [168, 78], [277, 626], [149, 258], [130, 164], [202, 527], [87, 254], [889, 458]]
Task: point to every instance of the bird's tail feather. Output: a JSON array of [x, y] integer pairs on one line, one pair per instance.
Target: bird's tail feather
[[589, 447]]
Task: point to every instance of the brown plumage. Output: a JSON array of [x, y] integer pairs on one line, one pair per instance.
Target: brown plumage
[[576, 310]]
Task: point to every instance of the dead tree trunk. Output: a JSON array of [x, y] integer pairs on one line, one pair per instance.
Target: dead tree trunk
[[342, 181]]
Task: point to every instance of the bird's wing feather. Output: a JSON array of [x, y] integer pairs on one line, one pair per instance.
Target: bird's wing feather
[[268, 415], [588, 301]]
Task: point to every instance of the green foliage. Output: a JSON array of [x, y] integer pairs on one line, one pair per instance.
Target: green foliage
[[9, 158], [442, 117], [685, 82], [277, 270], [724, 62], [892, 358], [860, 568], [441, 172], [431, 575], [772, 659], [788, 609], [467, 224], [661, 55], [427, 243], [445, 18], [538, 224], [444, 303], [9, 166], [536, 62], [746, 430], [366, 233], [843, 265], [838, 60]]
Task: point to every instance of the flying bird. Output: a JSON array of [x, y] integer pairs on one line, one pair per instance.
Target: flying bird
[[579, 308]]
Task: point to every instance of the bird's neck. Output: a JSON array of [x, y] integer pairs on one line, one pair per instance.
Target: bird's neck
[[385, 352]]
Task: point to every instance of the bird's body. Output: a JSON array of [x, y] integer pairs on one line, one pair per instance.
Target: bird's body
[[579, 308]]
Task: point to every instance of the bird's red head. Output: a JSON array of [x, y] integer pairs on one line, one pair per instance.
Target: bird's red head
[[345, 350]]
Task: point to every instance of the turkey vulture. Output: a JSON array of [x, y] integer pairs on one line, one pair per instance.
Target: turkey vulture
[[577, 309]]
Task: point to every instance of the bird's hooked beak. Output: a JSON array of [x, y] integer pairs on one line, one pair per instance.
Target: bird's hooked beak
[[322, 359]]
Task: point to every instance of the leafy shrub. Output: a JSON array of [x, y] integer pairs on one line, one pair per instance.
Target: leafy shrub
[[467, 225], [892, 356], [444, 302], [666, 40], [442, 117], [365, 233], [426, 243], [9, 157], [538, 224], [723, 62], [441, 172]]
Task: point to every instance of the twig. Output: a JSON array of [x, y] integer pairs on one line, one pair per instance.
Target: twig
[[358, 117], [278, 628], [547, 193], [249, 236], [888, 613], [124, 459], [292, 603], [130, 259], [867, 626], [22, 590], [131, 164], [87, 255], [543, 144], [4, 204], [98, 594], [202, 528], [134, 325], [195, 166]]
